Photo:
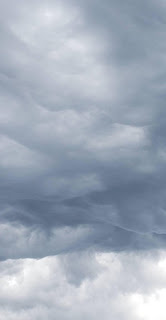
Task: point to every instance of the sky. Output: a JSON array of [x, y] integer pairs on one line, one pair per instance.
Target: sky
[[82, 159]]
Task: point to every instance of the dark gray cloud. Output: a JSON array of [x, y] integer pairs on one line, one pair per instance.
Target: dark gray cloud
[[82, 159], [82, 126]]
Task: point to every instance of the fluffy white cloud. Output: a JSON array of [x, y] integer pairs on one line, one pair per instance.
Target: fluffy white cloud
[[121, 286]]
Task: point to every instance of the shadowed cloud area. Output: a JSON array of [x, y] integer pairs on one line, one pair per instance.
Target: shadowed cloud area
[[82, 127]]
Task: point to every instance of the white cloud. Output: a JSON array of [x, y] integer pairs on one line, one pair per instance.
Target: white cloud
[[121, 286]]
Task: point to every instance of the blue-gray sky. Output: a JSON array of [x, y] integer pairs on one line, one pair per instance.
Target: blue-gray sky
[[82, 137]]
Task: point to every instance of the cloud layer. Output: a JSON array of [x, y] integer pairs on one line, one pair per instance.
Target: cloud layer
[[82, 160], [82, 120]]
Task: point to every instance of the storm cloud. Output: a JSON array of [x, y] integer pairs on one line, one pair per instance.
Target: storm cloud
[[82, 155], [83, 120]]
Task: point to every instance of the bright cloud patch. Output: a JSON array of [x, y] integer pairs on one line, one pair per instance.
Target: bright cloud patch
[[120, 286]]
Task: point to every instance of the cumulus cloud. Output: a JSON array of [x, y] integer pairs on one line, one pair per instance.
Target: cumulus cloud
[[108, 285]]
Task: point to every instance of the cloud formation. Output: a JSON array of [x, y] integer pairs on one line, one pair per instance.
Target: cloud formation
[[117, 286], [82, 122], [82, 160]]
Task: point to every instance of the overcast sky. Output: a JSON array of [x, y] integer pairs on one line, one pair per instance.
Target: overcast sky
[[82, 159]]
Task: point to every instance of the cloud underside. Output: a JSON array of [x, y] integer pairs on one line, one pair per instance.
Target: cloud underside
[[82, 127], [82, 160]]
